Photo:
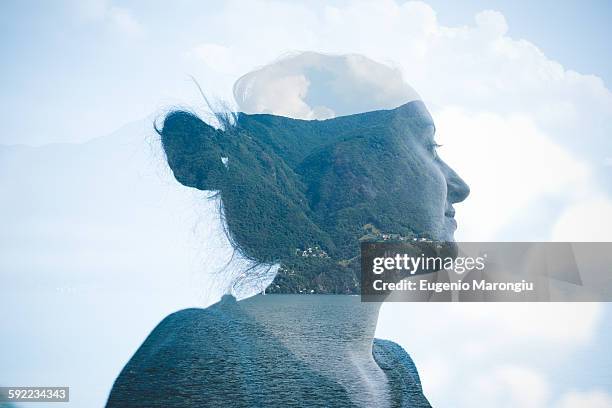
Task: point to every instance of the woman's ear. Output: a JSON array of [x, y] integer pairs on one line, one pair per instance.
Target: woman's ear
[[193, 150]]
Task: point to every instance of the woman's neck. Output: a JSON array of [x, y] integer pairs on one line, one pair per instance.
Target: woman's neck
[[337, 321], [333, 334]]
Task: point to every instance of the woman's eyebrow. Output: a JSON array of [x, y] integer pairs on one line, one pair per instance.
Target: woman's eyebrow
[[427, 134]]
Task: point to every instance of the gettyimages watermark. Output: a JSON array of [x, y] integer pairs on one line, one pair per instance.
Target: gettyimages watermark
[[428, 271]]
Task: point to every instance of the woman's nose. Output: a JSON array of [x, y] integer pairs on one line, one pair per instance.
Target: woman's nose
[[457, 189]]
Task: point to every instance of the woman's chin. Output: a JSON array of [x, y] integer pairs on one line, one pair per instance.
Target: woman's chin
[[450, 226]]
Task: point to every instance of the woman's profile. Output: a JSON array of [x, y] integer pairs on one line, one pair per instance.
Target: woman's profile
[[298, 195]]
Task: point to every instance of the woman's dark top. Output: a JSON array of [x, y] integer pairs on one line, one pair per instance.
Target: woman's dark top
[[219, 357]]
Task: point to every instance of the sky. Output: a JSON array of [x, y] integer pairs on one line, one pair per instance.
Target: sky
[[569, 31], [523, 96], [74, 70]]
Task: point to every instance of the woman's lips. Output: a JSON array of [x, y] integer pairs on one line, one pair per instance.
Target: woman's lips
[[452, 222]]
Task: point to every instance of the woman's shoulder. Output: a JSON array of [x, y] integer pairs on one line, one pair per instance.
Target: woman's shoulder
[[187, 350], [214, 355], [401, 371], [192, 328], [389, 355]]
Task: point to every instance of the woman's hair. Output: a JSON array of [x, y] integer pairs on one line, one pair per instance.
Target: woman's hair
[[241, 275]]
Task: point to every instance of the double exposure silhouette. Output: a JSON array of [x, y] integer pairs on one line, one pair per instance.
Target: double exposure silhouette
[[301, 195]]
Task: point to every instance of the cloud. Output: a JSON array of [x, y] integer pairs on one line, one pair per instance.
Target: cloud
[[464, 350], [436, 374], [517, 386], [539, 324], [586, 220], [525, 165], [318, 86], [481, 333], [509, 386], [587, 399]]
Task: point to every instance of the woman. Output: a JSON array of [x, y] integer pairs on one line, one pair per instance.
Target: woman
[[298, 196]]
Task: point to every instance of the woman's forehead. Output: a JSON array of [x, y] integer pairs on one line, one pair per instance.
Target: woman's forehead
[[294, 140]]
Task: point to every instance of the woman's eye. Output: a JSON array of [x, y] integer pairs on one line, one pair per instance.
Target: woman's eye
[[433, 149]]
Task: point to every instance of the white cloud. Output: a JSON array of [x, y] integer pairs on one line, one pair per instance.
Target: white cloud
[[492, 22], [436, 374], [284, 96], [543, 324], [468, 353], [587, 220], [520, 386], [319, 86], [587, 399], [524, 164], [482, 331], [509, 386]]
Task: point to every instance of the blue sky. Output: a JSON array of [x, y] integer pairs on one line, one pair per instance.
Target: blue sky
[[573, 32], [75, 70]]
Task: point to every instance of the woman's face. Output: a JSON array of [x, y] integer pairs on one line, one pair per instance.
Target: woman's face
[[435, 187], [383, 176]]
